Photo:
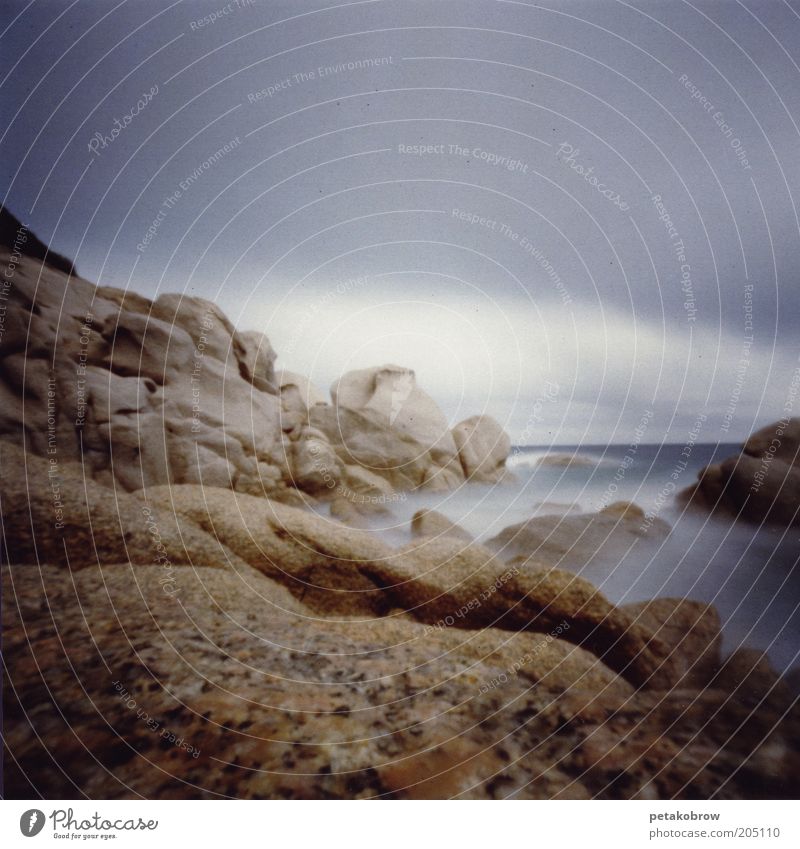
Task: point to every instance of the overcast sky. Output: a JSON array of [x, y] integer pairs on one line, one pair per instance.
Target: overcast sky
[[598, 186]]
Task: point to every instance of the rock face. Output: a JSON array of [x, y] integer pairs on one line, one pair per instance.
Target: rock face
[[149, 392], [392, 395], [762, 484], [381, 420], [483, 447], [574, 540], [286, 656], [361, 438], [430, 523], [308, 393], [142, 393]]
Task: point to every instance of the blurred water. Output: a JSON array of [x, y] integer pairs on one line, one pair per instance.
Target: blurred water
[[749, 573]]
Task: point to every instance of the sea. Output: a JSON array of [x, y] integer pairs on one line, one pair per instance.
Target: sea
[[749, 573]]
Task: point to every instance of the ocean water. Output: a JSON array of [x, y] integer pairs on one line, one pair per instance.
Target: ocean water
[[750, 574]]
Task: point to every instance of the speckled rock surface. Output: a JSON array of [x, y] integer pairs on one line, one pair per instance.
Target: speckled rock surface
[[191, 641], [231, 689]]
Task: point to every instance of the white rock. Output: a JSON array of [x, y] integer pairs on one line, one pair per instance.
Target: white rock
[[483, 447], [391, 392]]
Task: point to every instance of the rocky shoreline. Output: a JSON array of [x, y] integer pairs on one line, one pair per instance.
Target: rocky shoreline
[[181, 619]]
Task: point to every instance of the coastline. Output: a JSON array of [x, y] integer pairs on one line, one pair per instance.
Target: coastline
[[199, 502]]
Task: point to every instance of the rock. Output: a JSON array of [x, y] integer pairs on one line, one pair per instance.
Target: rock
[[483, 447], [760, 485], [430, 523], [691, 629], [626, 511], [141, 346], [143, 393], [142, 386], [237, 691], [345, 511], [357, 481], [163, 632], [749, 489], [446, 583], [748, 676], [780, 440], [356, 513], [41, 405], [132, 450], [308, 393], [564, 461], [17, 238], [329, 567], [203, 321], [575, 540], [155, 738], [314, 464], [53, 514], [359, 438], [219, 398], [125, 299], [256, 359], [392, 395], [441, 478], [111, 396], [287, 495]]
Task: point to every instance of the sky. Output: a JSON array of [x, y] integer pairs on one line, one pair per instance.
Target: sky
[[572, 216]]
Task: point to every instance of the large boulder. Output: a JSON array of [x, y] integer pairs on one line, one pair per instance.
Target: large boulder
[[141, 393], [762, 484], [575, 540], [361, 438], [392, 395], [780, 440], [483, 447]]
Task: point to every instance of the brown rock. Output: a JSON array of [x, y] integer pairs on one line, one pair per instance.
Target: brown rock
[[690, 629], [449, 584], [760, 485], [236, 692], [52, 513], [574, 540], [430, 523]]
